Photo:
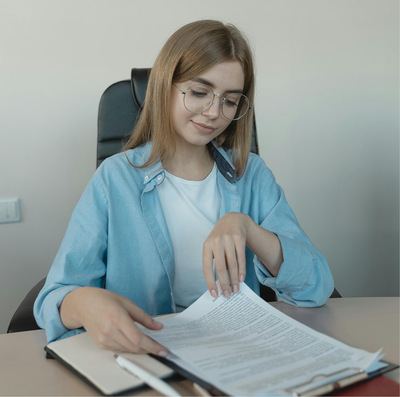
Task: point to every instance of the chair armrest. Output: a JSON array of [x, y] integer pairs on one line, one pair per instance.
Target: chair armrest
[[23, 319], [335, 294]]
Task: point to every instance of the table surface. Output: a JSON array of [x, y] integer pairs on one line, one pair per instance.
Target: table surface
[[366, 323]]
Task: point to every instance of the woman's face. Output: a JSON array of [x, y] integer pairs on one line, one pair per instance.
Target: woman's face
[[198, 129]]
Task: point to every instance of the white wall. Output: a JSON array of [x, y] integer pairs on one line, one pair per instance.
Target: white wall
[[326, 106]]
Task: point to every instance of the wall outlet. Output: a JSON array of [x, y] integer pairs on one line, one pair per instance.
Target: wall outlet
[[9, 211]]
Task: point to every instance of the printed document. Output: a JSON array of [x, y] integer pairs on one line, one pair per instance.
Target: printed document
[[244, 346]]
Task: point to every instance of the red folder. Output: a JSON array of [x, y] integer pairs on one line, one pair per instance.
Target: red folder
[[379, 386]]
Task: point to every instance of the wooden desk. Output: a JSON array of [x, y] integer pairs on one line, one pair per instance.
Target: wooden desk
[[366, 323]]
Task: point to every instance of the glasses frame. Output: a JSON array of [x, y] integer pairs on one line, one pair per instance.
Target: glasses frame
[[221, 102]]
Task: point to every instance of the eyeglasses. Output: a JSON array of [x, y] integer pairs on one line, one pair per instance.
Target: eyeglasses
[[198, 98]]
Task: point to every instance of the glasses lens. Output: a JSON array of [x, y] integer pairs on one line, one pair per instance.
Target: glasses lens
[[235, 106], [198, 98]]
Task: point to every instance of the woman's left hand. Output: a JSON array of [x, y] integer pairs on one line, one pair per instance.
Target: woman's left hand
[[226, 245]]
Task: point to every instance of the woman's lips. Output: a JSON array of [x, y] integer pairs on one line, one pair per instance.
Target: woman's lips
[[204, 127]]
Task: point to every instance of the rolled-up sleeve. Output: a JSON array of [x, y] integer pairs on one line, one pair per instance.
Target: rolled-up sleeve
[[80, 261], [304, 278]]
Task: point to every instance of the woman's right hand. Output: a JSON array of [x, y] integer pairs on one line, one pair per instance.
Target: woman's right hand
[[109, 319]]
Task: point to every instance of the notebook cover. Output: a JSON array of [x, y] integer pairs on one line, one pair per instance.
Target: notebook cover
[[98, 367]]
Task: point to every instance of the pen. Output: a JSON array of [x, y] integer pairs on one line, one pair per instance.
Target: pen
[[151, 380]]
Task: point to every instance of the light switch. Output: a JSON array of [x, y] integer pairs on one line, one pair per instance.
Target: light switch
[[9, 211]]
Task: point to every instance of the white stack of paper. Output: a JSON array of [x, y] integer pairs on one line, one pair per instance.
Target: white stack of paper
[[244, 346]]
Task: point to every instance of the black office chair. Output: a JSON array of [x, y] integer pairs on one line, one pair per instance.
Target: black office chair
[[119, 108]]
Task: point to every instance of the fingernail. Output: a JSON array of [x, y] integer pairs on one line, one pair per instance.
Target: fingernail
[[214, 293], [227, 294], [155, 322], [241, 278], [163, 353], [235, 289]]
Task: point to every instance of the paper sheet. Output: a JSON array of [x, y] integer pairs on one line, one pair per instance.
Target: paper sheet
[[244, 346]]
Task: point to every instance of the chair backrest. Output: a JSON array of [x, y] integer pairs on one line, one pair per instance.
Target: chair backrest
[[119, 109]]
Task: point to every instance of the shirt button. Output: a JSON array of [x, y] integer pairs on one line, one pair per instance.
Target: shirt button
[[146, 178], [159, 177]]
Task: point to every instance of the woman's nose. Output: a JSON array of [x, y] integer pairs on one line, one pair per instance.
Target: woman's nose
[[214, 110]]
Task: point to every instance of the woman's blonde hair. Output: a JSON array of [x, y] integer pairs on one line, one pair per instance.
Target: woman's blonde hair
[[188, 53]]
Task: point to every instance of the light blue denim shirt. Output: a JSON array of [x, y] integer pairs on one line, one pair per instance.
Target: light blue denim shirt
[[118, 239]]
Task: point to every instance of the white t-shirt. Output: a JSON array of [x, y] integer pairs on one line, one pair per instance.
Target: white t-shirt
[[191, 210]]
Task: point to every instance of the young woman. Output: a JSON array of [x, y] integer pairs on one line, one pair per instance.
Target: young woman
[[184, 204]]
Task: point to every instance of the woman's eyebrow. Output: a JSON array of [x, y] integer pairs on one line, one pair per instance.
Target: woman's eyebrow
[[210, 84]]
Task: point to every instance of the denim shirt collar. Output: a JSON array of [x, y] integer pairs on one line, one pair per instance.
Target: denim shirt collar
[[155, 173]]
